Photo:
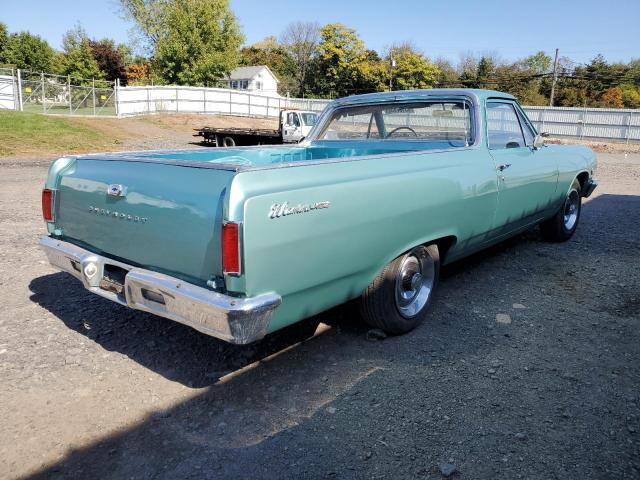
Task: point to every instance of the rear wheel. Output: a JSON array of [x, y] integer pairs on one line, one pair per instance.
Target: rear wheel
[[563, 224], [228, 142], [398, 298]]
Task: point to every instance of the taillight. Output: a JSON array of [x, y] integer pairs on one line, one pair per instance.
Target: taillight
[[231, 248], [47, 205]]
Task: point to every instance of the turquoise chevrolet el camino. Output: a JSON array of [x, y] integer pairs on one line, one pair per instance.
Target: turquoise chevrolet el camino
[[240, 242]]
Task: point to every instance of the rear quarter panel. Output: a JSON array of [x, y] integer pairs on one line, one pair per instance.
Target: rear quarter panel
[[380, 208], [572, 161]]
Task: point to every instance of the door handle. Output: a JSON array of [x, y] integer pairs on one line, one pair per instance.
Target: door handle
[[503, 167]]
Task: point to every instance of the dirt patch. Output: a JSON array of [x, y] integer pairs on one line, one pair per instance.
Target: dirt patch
[[599, 146]]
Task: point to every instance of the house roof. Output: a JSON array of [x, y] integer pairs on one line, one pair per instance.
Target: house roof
[[247, 73]]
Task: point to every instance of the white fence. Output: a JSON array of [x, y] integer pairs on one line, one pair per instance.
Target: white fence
[[594, 123], [587, 123], [8, 98], [155, 99]]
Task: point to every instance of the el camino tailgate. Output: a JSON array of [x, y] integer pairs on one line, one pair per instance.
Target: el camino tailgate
[[166, 218]]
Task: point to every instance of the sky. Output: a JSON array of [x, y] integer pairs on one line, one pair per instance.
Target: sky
[[510, 29]]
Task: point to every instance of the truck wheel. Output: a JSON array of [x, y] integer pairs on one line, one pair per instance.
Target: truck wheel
[[563, 224], [228, 142], [398, 298]]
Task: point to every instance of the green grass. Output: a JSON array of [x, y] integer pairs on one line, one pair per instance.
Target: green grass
[[23, 133]]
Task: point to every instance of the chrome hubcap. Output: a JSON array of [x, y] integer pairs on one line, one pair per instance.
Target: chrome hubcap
[[414, 282], [571, 206]]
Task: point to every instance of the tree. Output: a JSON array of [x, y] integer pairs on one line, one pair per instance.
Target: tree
[[630, 96], [111, 59], [486, 73], [150, 17], [611, 98], [26, 51], [447, 74], [412, 69], [78, 60], [139, 73], [199, 43], [273, 54], [342, 66], [4, 39], [301, 41], [468, 68]]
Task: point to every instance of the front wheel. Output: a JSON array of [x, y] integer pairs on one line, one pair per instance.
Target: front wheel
[[398, 298], [563, 224]]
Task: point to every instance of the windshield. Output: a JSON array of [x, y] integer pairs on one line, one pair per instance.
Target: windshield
[[309, 118], [423, 121]]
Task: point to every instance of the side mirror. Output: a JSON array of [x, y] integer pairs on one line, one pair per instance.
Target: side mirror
[[538, 142], [544, 134]]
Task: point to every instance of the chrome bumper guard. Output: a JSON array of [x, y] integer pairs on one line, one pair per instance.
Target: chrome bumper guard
[[236, 320]]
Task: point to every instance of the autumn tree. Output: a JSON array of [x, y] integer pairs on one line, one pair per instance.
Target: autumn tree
[[611, 98]]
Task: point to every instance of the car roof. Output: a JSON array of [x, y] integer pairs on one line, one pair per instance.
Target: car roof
[[415, 94]]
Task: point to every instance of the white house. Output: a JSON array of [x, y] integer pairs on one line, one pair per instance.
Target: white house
[[254, 79]]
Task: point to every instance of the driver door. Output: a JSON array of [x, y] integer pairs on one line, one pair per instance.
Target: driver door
[[527, 177]]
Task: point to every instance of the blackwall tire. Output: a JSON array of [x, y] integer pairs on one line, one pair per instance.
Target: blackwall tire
[[564, 223], [397, 300]]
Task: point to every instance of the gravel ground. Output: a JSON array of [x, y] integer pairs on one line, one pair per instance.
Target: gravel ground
[[529, 367]]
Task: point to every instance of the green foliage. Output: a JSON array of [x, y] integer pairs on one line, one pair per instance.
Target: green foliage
[[26, 51], [150, 17], [4, 39], [630, 96], [199, 42], [78, 60], [342, 65], [412, 69]]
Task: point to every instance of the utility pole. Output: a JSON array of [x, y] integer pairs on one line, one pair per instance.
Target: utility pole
[[391, 66], [555, 79]]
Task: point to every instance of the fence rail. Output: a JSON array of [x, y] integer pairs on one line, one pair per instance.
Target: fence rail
[[53, 94]]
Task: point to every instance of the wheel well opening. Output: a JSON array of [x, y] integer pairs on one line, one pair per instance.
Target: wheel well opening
[[444, 244], [582, 178]]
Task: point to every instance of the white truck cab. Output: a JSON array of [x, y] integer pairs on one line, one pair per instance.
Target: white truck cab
[[296, 124]]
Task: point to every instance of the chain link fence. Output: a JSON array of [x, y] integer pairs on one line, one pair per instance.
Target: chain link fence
[[39, 92]]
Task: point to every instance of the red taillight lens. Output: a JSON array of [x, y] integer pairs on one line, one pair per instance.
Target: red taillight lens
[[230, 248], [47, 205]]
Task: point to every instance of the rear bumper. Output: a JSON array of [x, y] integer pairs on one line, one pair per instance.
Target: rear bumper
[[235, 320], [589, 188]]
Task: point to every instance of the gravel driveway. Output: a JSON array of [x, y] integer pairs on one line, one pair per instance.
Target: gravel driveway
[[529, 367]]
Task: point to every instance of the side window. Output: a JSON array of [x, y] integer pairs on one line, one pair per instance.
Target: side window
[[503, 126], [526, 129]]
